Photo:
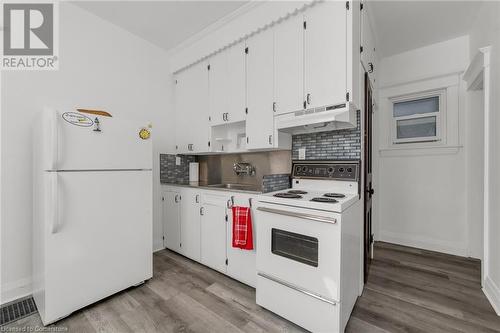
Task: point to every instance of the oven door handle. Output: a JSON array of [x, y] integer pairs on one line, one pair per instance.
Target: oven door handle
[[300, 290], [299, 215]]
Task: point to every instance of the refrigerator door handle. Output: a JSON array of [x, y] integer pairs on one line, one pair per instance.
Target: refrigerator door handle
[[54, 217], [55, 141]]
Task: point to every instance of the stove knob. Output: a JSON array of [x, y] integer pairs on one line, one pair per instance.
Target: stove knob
[[341, 170], [297, 169], [330, 170], [349, 170], [304, 169]]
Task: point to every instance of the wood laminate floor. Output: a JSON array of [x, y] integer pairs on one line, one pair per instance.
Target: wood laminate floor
[[408, 290]]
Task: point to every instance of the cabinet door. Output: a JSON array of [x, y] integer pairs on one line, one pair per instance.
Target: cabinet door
[[218, 88], [190, 223], [325, 54], [181, 108], [171, 221], [196, 125], [236, 82], [213, 231], [289, 65], [260, 95], [241, 263]]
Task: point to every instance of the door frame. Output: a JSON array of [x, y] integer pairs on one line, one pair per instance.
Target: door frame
[[367, 130]]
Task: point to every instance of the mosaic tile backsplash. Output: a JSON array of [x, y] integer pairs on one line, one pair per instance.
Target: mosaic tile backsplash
[[271, 183], [171, 173], [334, 145]]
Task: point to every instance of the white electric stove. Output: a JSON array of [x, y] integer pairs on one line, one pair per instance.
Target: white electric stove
[[309, 246]]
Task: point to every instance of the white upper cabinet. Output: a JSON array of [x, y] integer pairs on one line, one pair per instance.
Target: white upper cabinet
[[181, 107], [325, 60], [289, 65], [236, 83], [260, 91], [218, 88], [192, 125]]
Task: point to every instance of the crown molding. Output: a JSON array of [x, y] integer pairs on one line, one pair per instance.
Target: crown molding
[[216, 25]]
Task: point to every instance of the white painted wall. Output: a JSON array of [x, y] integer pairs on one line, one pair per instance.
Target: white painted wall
[[485, 32], [102, 67], [422, 199]]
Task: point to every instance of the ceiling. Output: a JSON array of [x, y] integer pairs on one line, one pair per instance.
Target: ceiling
[[404, 25], [399, 25], [163, 23]]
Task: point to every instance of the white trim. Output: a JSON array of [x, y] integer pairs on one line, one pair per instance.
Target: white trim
[[424, 242], [420, 151], [16, 290], [492, 292], [477, 76]]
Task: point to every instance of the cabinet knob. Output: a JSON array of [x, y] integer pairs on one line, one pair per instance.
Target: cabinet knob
[[370, 67], [308, 99], [274, 106], [202, 211], [176, 198], [270, 139]]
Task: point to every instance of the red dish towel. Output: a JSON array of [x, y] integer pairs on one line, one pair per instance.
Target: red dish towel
[[242, 228]]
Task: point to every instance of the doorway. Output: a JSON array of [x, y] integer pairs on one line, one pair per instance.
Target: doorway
[[368, 184]]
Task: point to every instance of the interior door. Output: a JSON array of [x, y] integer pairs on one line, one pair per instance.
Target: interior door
[[190, 223], [213, 232], [368, 134], [171, 220], [325, 54], [289, 65], [260, 94], [102, 242]]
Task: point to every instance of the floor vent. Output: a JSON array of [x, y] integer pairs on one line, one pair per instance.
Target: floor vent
[[16, 310]]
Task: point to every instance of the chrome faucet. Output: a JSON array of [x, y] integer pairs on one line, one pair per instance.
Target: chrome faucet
[[242, 168]]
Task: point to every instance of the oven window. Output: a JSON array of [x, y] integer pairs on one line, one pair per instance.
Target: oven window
[[301, 248]]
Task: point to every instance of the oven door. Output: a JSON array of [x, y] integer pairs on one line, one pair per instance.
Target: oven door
[[299, 248]]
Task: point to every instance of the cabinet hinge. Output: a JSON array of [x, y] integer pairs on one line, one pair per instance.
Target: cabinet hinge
[[227, 261], [347, 97], [246, 50], [361, 49], [176, 147], [305, 25], [247, 139], [208, 67], [209, 118], [226, 218], [163, 237], [180, 244], [246, 110], [361, 6], [209, 143], [305, 105], [347, 5], [162, 198]]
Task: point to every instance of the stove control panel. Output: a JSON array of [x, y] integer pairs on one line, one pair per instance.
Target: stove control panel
[[338, 170]]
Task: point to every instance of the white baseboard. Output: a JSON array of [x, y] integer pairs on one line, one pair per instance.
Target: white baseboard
[[425, 243], [15, 290], [492, 292]]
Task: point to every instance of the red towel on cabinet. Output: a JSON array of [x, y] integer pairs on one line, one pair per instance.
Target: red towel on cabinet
[[242, 228]]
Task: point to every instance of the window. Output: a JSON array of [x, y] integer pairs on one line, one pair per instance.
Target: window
[[417, 118]]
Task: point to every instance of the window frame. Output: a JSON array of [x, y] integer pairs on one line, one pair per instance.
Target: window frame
[[440, 116]]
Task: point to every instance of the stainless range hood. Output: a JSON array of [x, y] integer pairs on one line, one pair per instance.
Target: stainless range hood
[[321, 119]]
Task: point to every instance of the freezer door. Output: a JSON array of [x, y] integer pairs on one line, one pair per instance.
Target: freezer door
[[81, 141], [98, 237]]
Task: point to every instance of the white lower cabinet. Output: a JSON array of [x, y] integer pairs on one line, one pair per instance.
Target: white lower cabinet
[[198, 224], [213, 231], [190, 223], [171, 220], [241, 263]]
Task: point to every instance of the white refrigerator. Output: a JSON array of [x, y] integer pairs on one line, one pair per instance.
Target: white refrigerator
[[92, 220]]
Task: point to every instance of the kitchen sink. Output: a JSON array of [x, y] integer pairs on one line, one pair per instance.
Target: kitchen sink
[[244, 187]]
